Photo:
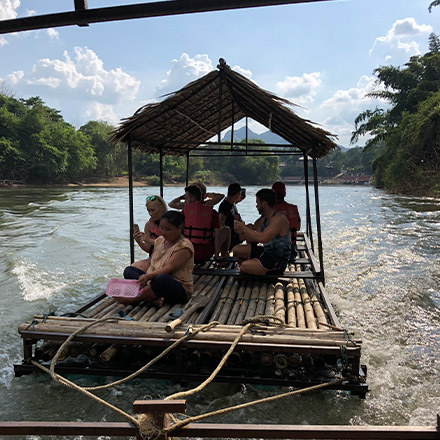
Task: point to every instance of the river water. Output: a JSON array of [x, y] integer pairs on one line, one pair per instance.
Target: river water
[[382, 259]]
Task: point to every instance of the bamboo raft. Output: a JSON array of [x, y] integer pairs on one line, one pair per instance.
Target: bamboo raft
[[309, 347]]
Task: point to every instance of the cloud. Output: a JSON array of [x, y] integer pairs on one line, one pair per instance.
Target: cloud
[[345, 105], [83, 76], [101, 112], [300, 89], [402, 35], [183, 71], [8, 9], [3, 41], [245, 72]]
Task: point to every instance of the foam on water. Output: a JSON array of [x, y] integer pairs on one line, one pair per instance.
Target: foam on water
[[34, 283]]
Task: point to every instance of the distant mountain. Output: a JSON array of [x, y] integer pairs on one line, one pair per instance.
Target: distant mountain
[[267, 136]]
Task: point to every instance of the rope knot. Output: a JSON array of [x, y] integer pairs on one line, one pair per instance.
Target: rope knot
[[147, 427]]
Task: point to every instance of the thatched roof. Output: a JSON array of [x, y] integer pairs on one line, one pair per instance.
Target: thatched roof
[[196, 113]]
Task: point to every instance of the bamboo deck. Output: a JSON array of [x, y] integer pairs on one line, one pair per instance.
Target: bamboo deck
[[309, 348]]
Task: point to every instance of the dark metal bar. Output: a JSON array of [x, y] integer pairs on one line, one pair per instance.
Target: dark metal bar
[[308, 431], [117, 429], [161, 172], [318, 221], [187, 169], [126, 12], [210, 430], [220, 96], [162, 406], [247, 127], [239, 154], [308, 217], [232, 126], [130, 196]]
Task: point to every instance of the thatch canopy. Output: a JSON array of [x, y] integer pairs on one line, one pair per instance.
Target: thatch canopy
[[197, 112]]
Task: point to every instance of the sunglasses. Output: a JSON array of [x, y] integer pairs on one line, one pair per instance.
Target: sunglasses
[[148, 198]]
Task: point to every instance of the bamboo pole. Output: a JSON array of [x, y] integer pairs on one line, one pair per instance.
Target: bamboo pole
[[308, 309], [99, 307], [301, 323], [149, 313], [270, 300], [108, 354], [228, 305], [142, 310], [160, 312], [237, 303], [244, 304], [250, 313], [166, 316], [261, 300], [116, 329], [220, 303], [319, 312], [280, 308], [291, 314]]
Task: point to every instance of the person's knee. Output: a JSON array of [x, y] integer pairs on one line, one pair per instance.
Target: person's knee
[[132, 273]]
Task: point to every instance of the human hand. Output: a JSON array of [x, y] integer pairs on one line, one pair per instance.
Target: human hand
[[144, 279], [239, 227]]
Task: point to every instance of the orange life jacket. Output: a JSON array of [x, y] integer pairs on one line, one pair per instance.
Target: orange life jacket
[[292, 214], [197, 227], [154, 229]]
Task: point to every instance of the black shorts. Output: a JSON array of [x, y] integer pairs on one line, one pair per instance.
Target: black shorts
[[163, 285], [268, 263], [166, 287]]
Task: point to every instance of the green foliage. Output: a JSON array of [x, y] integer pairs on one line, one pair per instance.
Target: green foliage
[[406, 137]]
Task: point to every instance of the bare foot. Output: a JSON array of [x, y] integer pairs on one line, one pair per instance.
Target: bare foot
[[158, 302]]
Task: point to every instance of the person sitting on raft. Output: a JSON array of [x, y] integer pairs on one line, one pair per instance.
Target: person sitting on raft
[[156, 207], [168, 275], [271, 229], [202, 228], [290, 211], [227, 211], [208, 199]]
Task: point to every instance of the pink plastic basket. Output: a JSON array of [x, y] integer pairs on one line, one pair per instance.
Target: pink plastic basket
[[117, 288]]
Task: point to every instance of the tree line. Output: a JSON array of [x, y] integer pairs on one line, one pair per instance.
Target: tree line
[[404, 139]]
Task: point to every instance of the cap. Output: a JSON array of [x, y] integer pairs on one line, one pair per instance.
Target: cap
[[279, 188]]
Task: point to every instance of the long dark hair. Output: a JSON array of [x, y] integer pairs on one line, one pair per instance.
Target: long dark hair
[[176, 218]]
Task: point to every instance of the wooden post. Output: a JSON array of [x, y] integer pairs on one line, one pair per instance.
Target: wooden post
[[159, 409], [130, 197]]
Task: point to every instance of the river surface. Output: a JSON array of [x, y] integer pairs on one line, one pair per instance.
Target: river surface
[[59, 246]]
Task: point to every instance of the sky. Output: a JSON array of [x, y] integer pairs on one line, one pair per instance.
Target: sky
[[320, 56]]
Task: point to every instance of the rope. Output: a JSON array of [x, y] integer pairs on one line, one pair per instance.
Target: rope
[[145, 422], [185, 422]]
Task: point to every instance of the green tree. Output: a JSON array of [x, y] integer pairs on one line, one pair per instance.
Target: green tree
[[110, 160], [405, 136]]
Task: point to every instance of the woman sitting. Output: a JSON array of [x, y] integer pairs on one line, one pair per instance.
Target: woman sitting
[[168, 276], [156, 207]]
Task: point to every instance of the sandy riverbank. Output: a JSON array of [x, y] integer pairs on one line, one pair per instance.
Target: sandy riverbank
[[116, 182]]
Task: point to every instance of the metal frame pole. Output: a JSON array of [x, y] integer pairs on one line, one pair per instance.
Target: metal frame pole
[[318, 221], [187, 169], [161, 171], [308, 217], [130, 196]]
